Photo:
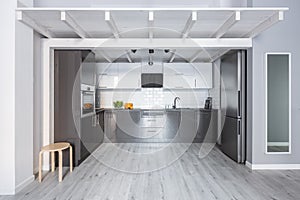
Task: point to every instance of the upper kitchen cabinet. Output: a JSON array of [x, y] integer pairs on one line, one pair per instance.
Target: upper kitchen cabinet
[[88, 73], [188, 75], [179, 76], [203, 75], [129, 75], [108, 75], [88, 68]]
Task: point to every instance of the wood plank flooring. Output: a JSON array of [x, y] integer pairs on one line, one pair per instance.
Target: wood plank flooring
[[189, 177]]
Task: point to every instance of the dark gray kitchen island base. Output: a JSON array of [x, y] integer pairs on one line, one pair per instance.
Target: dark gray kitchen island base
[[159, 125]]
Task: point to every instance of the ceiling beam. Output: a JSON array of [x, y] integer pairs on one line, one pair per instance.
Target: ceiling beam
[[276, 17], [22, 17], [150, 23], [112, 25], [128, 56], [172, 55], [195, 56], [220, 53], [163, 43], [67, 19], [189, 24], [232, 20]]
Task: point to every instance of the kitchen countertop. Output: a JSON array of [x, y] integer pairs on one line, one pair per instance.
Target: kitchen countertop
[[154, 109]]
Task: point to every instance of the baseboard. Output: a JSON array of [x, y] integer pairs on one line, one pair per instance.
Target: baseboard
[[6, 191], [24, 183], [273, 166], [248, 164]]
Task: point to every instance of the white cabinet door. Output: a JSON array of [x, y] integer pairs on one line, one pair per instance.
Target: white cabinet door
[[107, 75], [129, 75], [203, 74], [179, 75]]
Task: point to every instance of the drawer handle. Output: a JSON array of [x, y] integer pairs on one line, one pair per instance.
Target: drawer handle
[[151, 131]]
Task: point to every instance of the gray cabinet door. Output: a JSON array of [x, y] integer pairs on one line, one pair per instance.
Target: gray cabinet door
[[202, 124], [206, 124], [91, 136], [187, 128], [128, 124], [110, 125], [172, 124]]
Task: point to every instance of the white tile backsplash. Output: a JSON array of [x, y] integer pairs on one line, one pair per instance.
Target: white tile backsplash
[[154, 98]]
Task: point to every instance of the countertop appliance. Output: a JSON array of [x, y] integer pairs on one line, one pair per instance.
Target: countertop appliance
[[208, 103], [152, 80], [233, 68]]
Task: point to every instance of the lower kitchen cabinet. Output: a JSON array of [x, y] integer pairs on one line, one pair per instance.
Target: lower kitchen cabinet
[[128, 125], [110, 125], [183, 125], [206, 126], [90, 136], [187, 129], [171, 128]]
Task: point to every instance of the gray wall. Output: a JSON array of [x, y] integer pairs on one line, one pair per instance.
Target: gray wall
[[139, 3], [283, 37]]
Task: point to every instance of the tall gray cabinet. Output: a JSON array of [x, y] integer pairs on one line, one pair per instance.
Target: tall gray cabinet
[[68, 124]]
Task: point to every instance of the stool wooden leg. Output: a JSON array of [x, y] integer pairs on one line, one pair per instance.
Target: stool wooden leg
[[71, 158], [52, 161], [60, 166], [40, 166]]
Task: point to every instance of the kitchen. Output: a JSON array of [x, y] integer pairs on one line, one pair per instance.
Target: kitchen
[[142, 94], [132, 102]]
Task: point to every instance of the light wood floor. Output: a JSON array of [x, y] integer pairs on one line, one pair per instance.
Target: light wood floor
[[188, 178]]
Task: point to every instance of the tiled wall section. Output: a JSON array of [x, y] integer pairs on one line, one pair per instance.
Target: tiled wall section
[[154, 98]]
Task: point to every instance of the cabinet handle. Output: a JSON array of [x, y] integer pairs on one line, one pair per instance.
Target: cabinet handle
[[195, 83], [93, 121], [151, 120], [97, 119], [151, 131]]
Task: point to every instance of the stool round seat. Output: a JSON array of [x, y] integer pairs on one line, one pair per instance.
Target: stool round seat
[[56, 146]]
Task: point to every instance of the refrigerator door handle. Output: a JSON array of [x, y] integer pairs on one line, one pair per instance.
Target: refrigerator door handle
[[239, 127], [239, 70], [239, 104]]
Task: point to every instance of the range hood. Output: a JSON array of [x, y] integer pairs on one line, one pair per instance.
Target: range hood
[[152, 80]]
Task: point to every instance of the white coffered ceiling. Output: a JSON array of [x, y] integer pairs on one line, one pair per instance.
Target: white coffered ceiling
[[137, 23]]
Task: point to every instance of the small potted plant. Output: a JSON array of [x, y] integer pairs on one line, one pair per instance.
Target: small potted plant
[[118, 104]]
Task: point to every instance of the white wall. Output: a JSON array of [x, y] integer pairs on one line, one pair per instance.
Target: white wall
[[16, 113], [7, 81], [24, 104]]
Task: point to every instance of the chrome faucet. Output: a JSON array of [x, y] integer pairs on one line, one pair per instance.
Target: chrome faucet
[[175, 100]]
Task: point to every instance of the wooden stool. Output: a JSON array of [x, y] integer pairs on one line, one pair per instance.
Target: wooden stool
[[59, 147]]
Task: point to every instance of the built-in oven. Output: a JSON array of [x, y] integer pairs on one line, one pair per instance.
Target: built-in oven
[[87, 100]]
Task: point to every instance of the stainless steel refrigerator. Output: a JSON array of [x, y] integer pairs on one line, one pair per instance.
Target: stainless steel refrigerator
[[233, 104]]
